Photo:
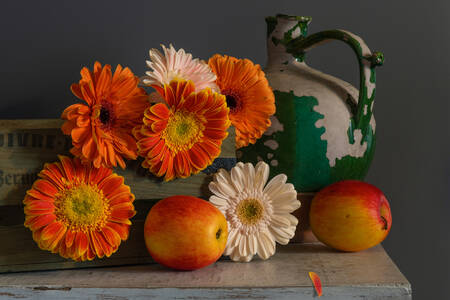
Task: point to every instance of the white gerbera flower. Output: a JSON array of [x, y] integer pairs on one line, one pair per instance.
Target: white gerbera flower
[[257, 216], [178, 65]]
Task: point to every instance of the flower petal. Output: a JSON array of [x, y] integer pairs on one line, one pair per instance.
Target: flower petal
[[51, 230], [121, 229], [45, 187], [237, 177], [82, 243], [123, 211], [39, 195], [96, 175], [124, 197], [275, 185], [252, 244], [316, 282], [52, 173], [198, 158], [286, 202], [159, 126], [218, 202], [261, 175], [221, 190], [96, 244], [280, 220], [235, 255], [111, 236], [80, 134], [266, 245], [223, 177], [70, 238], [243, 246], [233, 236], [160, 110], [57, 239], [40, 205], [39, 221], [107, 249], [110, 184], [249, 178], [90, 252], [103, 83], [282, 234]]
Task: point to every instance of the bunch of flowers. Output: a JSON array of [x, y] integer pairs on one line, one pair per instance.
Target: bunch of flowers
[[183, 133], [188, 128], [80, 209]]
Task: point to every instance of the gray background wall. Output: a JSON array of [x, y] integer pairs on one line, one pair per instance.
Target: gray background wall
[[44, 44]]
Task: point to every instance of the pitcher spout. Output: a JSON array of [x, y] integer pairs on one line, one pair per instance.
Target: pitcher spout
[[282, 30]]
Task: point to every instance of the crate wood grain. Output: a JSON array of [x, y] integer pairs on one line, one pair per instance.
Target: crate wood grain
[[368, 274], [25, 145]]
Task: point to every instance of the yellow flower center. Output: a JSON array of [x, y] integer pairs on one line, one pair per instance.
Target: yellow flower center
[[183, 130], [82, 207], [250, 211]]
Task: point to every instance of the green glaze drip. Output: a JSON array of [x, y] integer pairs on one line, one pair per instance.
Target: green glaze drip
[[297, 154], [312, 167], [304, 27], [288, 40], [353, 109], [349, 167], [350, 131], [287, 37], [362, 119], [301, 153], [363, 114], [286, 114]]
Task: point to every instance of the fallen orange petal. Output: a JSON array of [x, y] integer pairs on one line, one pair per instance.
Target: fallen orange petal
[[316, 282]]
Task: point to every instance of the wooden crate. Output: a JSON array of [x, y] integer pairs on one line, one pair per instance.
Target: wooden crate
[[25, 145]]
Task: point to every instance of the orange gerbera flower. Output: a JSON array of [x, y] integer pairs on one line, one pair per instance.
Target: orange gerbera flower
[[249, 96], [101, 130], [78, 211], [184, 135]]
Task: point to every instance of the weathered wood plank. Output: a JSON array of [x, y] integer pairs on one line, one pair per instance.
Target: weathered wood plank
[[333, 293], [368, 274]]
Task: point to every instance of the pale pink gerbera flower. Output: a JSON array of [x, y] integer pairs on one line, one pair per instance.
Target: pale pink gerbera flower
[[178, 65]]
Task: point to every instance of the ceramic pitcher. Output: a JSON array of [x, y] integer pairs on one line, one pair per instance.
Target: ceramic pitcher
[[323, 130]]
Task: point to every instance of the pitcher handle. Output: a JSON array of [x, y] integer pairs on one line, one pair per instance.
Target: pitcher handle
[[367, 60]]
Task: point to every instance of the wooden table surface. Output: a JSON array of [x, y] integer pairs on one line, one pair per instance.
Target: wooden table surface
[[369, 274]]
